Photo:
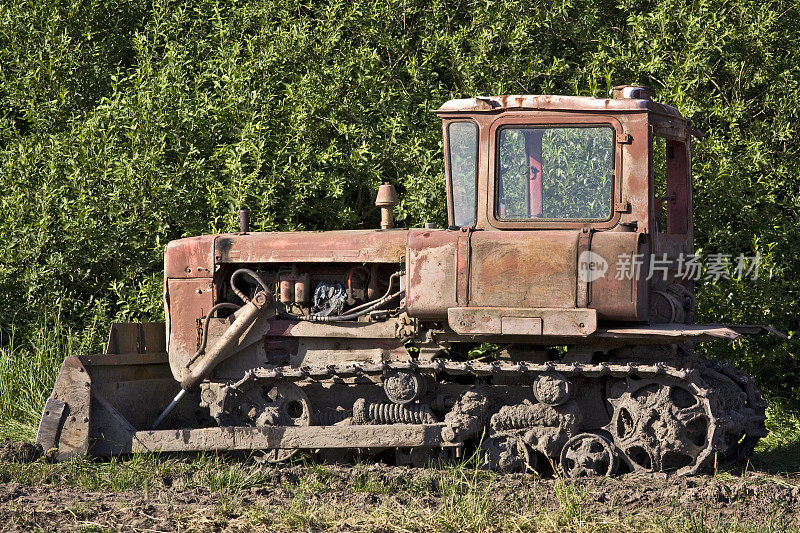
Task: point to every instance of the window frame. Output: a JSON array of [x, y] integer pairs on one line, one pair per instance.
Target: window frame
[[448, 170], [562, 120], [682, 207]]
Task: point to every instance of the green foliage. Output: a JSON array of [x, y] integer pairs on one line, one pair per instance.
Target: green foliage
[[125, 124]]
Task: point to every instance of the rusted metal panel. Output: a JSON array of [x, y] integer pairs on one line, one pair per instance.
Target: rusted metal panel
[[524, 269], [432, 271], [582, 280], [113, 429], [137, 386], [192, 257], [463, 266], [495, 104], [288, 437], [189, 300], [755, 329], [679, 189], [47, 436], [671, 333], [124, 359], [65, 420], [635, 165], [137, 337], [332, 351], [512, 325], [616, 295], [356, 246], [520, 321], [387, 329], [123, 338]]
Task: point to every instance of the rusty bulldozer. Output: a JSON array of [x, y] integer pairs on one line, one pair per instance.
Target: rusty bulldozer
[[365, 341]]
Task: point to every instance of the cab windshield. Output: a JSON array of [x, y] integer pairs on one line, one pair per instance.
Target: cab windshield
[[555, 173]]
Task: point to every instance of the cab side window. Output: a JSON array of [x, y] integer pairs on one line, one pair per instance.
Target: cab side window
[[671, 185], [462, 145], [554, 173]]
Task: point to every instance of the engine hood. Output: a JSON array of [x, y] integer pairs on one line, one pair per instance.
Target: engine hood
[[356, 246]]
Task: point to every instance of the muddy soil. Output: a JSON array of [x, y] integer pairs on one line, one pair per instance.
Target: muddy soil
[[748, 499], [24, 452]]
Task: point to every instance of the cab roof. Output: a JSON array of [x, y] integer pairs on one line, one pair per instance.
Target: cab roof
[[482, 104]]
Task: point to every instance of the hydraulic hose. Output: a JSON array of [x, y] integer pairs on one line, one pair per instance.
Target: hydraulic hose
[[204, 338], [258, 279], [388, 290], [349, 316]]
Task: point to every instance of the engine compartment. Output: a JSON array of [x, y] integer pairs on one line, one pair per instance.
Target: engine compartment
[[304, 291]]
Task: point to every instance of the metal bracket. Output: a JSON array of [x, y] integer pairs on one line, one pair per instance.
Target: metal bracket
[[624, 138], [51, 423], [622, 207]]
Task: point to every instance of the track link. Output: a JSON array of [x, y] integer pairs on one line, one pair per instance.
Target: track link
[[649, 406]]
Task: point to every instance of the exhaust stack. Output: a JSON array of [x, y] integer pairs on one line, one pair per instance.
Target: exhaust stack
[[386, 201]]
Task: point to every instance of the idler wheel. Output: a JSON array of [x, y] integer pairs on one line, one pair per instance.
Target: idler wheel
[[552, 389], [403, 386], [507, 454], [588, 454]]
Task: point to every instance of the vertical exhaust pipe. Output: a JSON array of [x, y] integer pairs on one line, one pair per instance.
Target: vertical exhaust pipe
[[244, 220], [386, 201]]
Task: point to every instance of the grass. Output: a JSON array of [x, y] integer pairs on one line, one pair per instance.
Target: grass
[[29, 364], [779, 451], [308, 496]]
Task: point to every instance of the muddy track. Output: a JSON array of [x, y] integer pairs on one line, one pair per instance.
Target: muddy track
[[167, 505]]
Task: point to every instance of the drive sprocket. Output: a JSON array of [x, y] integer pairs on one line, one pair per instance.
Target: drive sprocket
[[659, 425]]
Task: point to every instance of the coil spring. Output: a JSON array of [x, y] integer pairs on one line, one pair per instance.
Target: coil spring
[[392, 413], [329, 417], [517, 419]]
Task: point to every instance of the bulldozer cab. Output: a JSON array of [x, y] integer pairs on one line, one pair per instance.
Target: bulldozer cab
[[547, 162], [534, 182]]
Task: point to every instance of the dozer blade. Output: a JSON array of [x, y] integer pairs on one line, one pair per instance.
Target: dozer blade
[[100, 401]]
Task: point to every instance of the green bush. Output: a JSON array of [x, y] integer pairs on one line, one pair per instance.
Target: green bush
[[125, 124]]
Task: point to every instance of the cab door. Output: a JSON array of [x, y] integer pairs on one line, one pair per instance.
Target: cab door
[[551, 183]]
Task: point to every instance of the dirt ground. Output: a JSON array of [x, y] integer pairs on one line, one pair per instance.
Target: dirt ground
[[380, 497]]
